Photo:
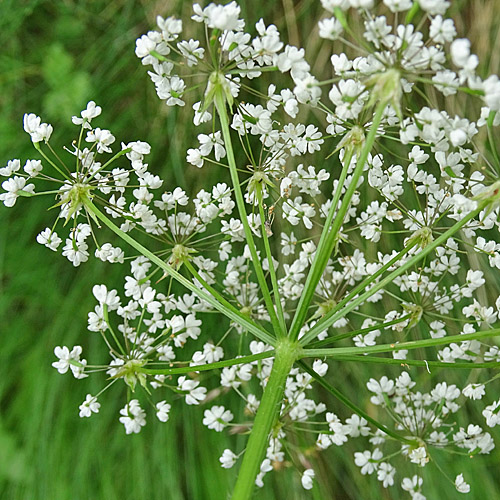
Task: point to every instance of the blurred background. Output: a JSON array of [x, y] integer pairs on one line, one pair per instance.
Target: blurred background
[[56, 56]]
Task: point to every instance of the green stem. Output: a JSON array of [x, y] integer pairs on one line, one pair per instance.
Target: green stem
[[39, 149], [342, 336], [412, 12], [331, 317], [220, 104], [106, 319], [491, 140], [413, 344], [466, 90], [334, 223], [233, 315], [269, 255], [418, 362], [209, 366], [286, 353], [117, 155]]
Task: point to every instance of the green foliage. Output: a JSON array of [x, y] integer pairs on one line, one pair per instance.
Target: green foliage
[[69, 89]]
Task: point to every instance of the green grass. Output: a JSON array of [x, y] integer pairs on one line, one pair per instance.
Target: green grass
[[55, 57]]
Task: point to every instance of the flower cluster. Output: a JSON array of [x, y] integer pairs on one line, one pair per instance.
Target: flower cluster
[[346, 254]]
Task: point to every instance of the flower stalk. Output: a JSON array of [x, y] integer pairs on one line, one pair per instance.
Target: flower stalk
[[334, 222], [286, 354], [220, 104]]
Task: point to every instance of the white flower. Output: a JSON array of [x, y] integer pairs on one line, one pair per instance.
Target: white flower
[[474, 391], [87, 114], [133, 417], [111, 298], [356, 426], [330, 29], [265, 467], [419, 456], [412, 485], [13, 186], [33, 167], [307, 479], [89, 406], [170, 90], [11, 167], [49, 238], [37, 130], [398, 5], [367, 460], [492, 414], [434, 7], [193, 394], [162, 411], [292, 59], [320, 368], [211, 141], [222, 17], [70, 360], [491, 87], [217, 418], [460, 54], [461, 485], [228, 459], [385, 474], [195, 157], [103, 138], [75, 251], [191, 50]]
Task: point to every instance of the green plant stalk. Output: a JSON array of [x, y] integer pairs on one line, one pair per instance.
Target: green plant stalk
[[220, 104], [466, 90], [331, 317], [269, 255], [319, 262], [116, 156], [106, 319], [418, 362], [412, 344], [491, 139], [209, 366], [286, 354], [329, 235], [232, 314], [342, 336], [412, 12], [39, 149], [335, 392]]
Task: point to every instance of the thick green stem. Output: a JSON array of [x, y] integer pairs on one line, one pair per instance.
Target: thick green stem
[[336, 220], [231, 313], [220, 104], [286, 354]]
